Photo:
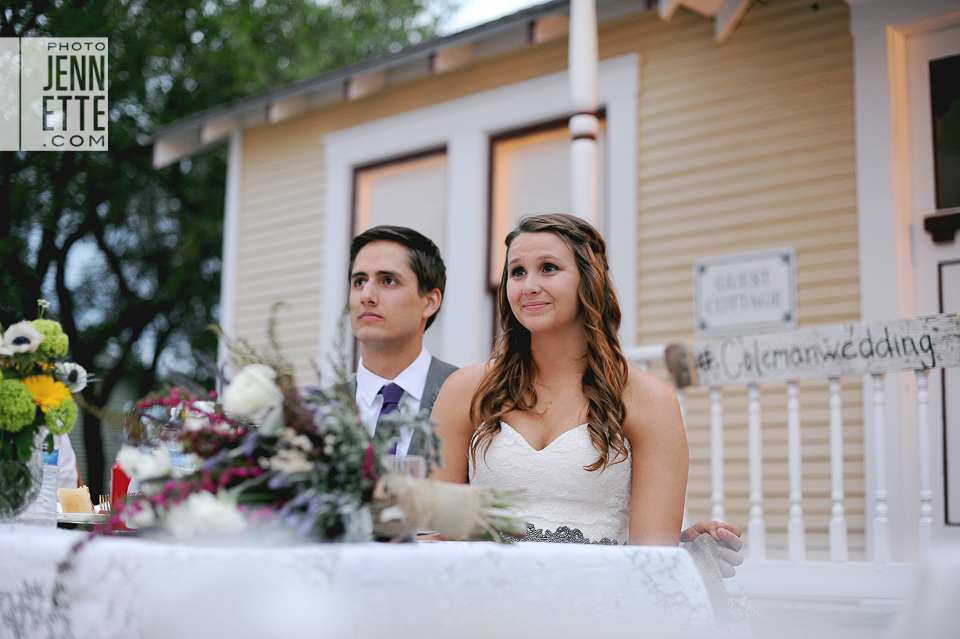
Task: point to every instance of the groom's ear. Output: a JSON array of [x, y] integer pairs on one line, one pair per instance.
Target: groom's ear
[[431, 302]]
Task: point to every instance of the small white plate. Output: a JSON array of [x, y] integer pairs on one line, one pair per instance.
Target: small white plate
[[82, 518]]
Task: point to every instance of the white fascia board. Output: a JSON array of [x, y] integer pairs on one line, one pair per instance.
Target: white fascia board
[[728, 16], [175, 148], [218, 129]]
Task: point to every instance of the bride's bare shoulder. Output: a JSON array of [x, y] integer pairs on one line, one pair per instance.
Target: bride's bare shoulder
[[458, 389], [466, 379], [650, 400], [452, 408], [646, 386]]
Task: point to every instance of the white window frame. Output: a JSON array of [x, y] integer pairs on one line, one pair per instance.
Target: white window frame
[[464, 127]]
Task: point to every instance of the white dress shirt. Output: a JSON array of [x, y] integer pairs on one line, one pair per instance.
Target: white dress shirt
[[412, 380], [67, 460]]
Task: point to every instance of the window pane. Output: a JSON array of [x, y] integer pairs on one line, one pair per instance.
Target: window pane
[[945, 101], [409, 193], [531, 176]]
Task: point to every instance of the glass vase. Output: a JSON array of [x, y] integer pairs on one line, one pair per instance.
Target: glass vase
[[19, 484]]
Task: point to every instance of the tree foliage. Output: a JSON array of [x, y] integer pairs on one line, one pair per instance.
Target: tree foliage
[[128, 255]]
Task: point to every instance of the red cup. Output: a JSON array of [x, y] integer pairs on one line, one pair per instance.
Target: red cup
[[119, 483]]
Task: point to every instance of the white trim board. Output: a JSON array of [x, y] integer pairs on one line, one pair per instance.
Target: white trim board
[[464, 126]]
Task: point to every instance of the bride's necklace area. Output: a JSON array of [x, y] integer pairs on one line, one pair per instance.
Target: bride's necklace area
[[556, 412]]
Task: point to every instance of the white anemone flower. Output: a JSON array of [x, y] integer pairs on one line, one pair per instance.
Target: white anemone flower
[[73, 376], [22, 337]]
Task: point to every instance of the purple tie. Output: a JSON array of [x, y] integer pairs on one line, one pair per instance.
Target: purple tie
[[391, 401]]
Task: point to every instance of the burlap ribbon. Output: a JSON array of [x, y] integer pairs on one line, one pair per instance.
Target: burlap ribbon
[[456, 511]]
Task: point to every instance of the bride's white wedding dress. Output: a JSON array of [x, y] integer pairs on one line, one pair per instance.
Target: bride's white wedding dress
[[563, 501]]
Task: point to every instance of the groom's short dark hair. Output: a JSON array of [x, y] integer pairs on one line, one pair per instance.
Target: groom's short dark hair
[[424, 256]]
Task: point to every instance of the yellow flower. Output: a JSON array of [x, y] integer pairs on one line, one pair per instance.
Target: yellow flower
[[47, 392]]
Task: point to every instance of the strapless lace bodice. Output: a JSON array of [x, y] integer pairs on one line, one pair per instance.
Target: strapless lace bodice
[[563, 502]]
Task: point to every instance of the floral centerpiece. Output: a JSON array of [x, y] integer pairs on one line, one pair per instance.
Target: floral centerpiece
[[271, 455], [35, 393]]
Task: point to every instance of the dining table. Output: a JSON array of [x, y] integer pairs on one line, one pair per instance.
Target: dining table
[[57, 583]]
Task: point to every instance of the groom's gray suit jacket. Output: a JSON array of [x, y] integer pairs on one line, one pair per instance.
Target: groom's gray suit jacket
[[437, 374]]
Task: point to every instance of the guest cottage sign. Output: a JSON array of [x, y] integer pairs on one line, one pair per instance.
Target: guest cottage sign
[[882, 346], [745, 292]]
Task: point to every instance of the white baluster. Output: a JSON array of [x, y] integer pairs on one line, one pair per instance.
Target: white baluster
[[796, 529], [681, 399], [718, 512], [923, 444], [880, 469], [756, 527], [838, 517]]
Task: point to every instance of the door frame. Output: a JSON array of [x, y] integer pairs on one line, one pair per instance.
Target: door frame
[[911, 48]]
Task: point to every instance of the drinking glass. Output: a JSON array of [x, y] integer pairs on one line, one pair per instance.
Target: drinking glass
[[414, 466]]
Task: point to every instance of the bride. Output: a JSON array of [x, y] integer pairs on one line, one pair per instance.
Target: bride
[[596, 445]]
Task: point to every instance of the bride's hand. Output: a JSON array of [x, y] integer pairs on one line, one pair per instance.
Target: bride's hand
[[728, 543]]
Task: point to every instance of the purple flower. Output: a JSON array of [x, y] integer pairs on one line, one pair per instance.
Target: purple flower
[[222, 457], [250, 443], [280, 480]]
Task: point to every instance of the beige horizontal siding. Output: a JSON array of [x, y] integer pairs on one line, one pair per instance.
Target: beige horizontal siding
[[747, 146], [281, 231]]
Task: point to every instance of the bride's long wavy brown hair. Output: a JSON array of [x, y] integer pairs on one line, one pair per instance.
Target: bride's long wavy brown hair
[[508, 384]]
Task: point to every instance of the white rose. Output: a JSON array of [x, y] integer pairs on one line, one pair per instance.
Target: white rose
[[195, 423], [142, 519], [140, 466], [204, 513], [253, 394]]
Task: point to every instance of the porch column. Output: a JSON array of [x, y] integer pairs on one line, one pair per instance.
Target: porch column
[[231, 240], [584, 126]]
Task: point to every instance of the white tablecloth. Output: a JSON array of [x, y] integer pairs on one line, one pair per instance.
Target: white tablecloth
[[124, 587]]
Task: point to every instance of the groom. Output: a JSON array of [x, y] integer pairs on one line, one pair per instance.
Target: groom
[[397, 278]]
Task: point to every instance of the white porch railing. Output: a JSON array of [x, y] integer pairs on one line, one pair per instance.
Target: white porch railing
[[870, 350]]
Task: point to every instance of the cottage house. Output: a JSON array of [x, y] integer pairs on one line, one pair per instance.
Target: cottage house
[[727, 127]]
